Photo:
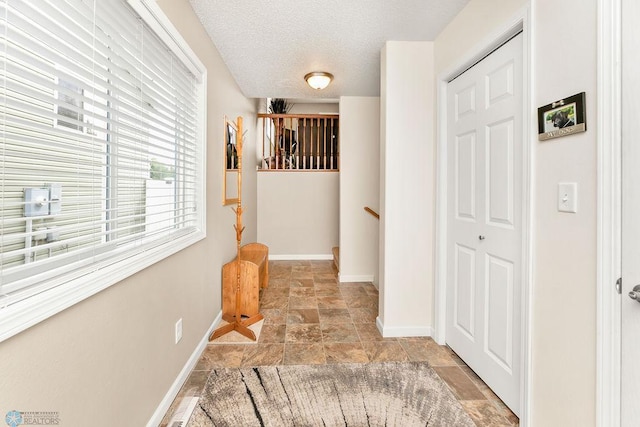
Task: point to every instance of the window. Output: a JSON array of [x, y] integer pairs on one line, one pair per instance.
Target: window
[[102, 115]]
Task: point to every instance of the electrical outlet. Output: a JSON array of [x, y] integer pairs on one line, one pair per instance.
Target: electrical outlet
[[178, 330]]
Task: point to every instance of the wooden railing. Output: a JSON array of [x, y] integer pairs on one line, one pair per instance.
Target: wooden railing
[[300, 142], [372, 212]]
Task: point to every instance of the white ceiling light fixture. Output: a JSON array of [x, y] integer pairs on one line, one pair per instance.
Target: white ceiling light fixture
[[318, 79]]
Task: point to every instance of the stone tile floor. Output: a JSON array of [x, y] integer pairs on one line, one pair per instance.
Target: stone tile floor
[[310, 318]]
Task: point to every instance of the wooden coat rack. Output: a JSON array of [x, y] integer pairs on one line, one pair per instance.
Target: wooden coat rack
[[237, 322]]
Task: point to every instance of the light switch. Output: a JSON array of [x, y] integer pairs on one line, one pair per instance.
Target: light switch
[[568, 197]]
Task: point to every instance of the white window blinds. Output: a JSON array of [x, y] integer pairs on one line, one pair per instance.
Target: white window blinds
[[101, 127]]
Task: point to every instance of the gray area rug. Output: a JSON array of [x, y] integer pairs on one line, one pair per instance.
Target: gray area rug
[[373, 394]]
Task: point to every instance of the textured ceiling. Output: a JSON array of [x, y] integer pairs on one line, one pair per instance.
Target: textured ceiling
[[270, 45]]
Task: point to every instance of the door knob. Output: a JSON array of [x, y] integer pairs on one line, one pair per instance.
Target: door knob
[[481, 237], [635, 293]]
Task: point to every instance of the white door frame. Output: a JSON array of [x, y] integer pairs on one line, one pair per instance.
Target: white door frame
[[609, 207], [520, 22]]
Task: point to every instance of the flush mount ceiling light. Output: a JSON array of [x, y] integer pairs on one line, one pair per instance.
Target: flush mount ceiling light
[[318, 79]]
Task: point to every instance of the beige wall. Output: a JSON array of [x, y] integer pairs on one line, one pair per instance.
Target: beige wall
[[564, 271], [474, 25], [111, 359], [359, 187], [407, 189], [564, 289], [298, 213], [314, 108], [305, 106]]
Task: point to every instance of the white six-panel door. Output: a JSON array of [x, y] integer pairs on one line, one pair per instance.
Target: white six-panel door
[[484, 219]]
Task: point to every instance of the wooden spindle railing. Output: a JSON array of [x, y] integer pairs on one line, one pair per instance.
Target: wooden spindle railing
[[300, 142]]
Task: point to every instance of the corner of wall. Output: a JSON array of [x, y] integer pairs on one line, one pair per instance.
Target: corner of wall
[[407, 119]]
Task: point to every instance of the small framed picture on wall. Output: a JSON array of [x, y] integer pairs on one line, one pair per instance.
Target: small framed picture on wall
[[563, 117]]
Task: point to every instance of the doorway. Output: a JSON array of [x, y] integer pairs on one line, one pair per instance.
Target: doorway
[[486, 227]]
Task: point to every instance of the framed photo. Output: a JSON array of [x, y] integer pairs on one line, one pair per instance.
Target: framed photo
[[561, 118]]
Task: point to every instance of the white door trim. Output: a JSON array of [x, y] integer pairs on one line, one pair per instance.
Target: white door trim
[[609, 214], [520, 22]]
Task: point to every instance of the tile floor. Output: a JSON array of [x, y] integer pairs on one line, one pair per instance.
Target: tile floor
[[310, 318]]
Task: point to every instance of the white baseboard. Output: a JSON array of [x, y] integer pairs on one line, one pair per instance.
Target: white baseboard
[[355, 278], [162, 409], [403, 331], [295, 257]]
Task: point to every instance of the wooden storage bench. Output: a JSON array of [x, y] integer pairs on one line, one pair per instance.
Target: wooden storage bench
[[254, 274]]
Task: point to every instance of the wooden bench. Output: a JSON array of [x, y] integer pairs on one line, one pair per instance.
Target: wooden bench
[[254, 274]]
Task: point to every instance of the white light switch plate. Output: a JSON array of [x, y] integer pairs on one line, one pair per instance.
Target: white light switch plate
[[568, 197]]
